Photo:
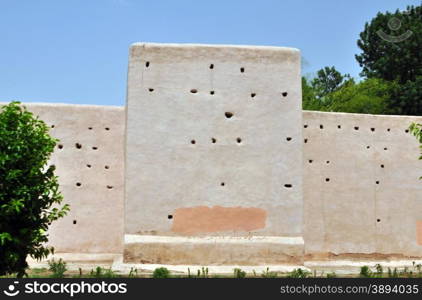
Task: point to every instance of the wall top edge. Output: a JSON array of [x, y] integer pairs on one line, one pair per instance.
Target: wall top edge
[[326, 113], [64, 105], [211, 46]]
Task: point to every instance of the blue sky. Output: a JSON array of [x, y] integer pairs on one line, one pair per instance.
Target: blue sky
[[76, 51]]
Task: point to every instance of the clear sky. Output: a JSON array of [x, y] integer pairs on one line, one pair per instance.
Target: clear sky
[[76, 51]]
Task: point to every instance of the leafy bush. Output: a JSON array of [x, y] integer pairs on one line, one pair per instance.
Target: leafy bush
[[268, 274], [103, 273], [238, 273], [365, 272], [28, 189], [161, 273], [57, 268], [299, 273]]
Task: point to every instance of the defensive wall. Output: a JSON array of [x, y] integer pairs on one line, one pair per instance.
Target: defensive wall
[[212, 161]]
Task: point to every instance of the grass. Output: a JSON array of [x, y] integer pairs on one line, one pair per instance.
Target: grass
[[58, 270]]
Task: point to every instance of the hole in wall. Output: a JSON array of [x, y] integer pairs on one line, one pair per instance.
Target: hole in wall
[[109, 187], [305, 141], [170, 217], [284, 94], [321, 126], [305, 126], [74, 222], [107, 128], [238, 140], [288, 185], [253, 95], [52, 126], [94, 148], [310, 161], [89, 128], [372, 129], [106, 167], [288, 139], [211, 66], [228, 114], [222, 184], [327, 179], [367, 147], [193, 91], [382, 166], [327, 162], [378, 220], [407, 131], [356, 127], [147, 64], [339, 126], [388, 129], [60, 146], [78, 146], [78, 184], [242, 70], [213, 140], [193, 142], [150, 90], [377, 182], [385, 148], [212, 92], [88, 166]]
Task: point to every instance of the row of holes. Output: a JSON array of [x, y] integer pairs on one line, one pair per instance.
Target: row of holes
[[194, 91], [328, 180], [214, 141], [79, 184], [77, 146], [211, 66], [367, 147], [355, 128], [89, 128], [238, 140], [328, 162]]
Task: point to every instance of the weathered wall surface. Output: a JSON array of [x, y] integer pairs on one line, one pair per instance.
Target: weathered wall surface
[[349, 214], [362, 191], [213, 141], [89, 161]]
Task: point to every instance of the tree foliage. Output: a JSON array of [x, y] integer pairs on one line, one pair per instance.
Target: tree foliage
[[328, 80], [367, 97], [391, 47], [385, 57], [29, 191]]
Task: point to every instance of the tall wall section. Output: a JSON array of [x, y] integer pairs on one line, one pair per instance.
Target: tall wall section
[[213, 148]]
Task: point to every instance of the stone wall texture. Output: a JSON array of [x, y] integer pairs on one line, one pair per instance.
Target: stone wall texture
[[351, 214]]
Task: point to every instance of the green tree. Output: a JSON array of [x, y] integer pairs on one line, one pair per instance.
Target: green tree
[[309, 99], [328, 80], [391, 47], [406, 98], [416, 130], [29, 191], [367, 97]]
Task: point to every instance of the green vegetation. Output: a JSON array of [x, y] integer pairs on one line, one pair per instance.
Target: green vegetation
[[391, 61], [238, 273], [57, 268], [268, 274], [299, 273], [29, 190], [161, 273]]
